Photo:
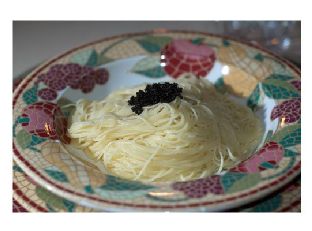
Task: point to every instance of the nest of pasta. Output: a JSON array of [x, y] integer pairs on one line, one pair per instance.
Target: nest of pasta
[[196, 135]]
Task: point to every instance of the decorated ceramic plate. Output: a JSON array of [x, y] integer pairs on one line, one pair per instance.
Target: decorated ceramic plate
[[267, 84]]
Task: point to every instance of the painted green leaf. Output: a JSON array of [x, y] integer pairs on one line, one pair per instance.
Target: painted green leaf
[[226, 43], [153, 43], [280, 77], [198, 41], [267, 165], [150, 67], [290, 153], [104, 59], [30, 96], [288, 136], [253, 99], [156, 72], [49, 198], [26, 140], [220, 86], [36, 140], [278, 89], [23, 119], [54, 201], [34, 149], [19, 120], [292, 139], [23, 138], [89, 189], [93, 59], [269, 205], [69, 205], [86, 57], [57, 175], [259, 57], [17, 168], [117, 184], [146, 63], [228, 179], [245, 182], [278, 136]]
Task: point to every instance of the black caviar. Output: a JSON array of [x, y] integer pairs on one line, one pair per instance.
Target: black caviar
[[154, 93]]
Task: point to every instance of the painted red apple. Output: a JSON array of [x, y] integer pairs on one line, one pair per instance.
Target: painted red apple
[[270, 154], [45, 119], [182, 56]]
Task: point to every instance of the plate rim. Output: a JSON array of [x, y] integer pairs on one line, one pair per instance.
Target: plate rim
[[241, 199], [220, 204]]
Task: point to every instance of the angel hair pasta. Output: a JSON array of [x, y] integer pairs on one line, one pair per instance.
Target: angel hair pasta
[[198, 134]]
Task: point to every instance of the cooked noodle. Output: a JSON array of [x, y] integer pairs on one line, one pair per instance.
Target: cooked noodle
[[199, 135]]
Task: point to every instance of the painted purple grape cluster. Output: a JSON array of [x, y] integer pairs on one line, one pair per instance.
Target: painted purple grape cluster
[[201, 187], [72, 75], [290, 110], [47, 94]]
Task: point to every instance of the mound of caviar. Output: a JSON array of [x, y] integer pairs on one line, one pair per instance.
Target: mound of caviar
[[153, 94]]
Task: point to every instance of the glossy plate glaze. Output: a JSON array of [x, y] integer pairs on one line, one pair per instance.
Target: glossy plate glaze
[[267, 84], [28, 196]]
